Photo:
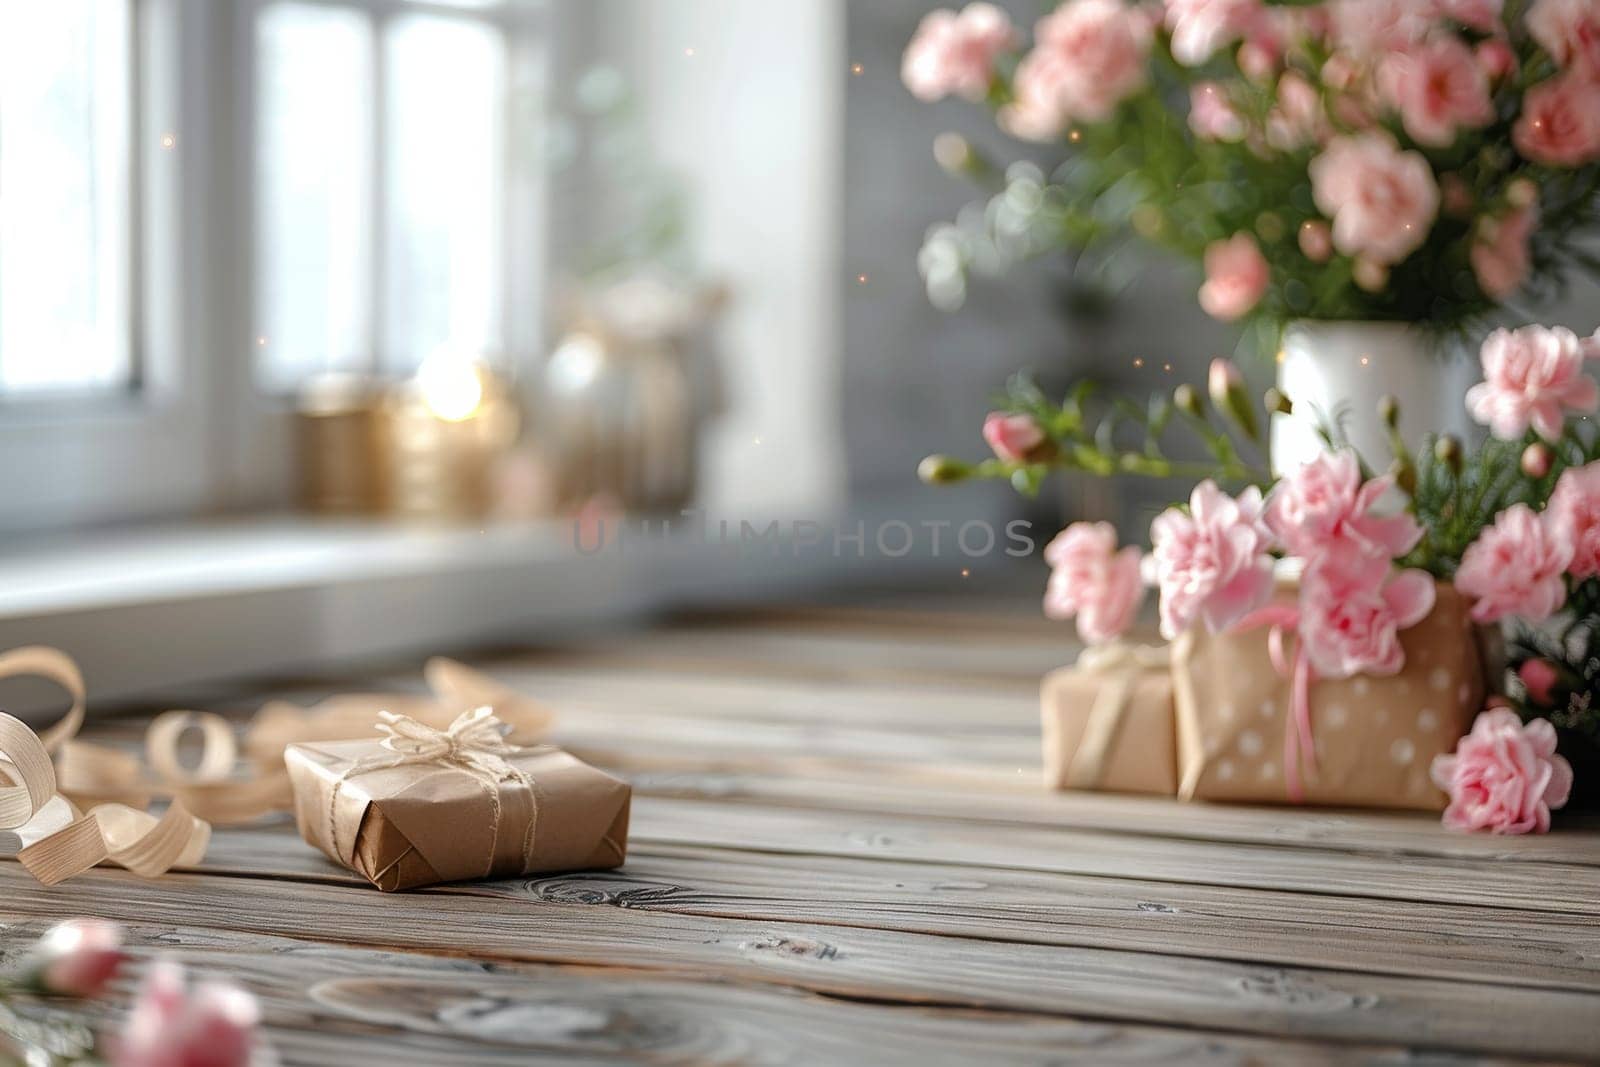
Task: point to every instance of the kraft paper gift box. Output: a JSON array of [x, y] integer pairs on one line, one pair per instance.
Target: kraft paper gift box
[[1373, 737], [1108, 723], [419, 823]]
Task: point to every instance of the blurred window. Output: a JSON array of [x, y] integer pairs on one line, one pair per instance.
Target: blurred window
[[65, 189], [381, 170]]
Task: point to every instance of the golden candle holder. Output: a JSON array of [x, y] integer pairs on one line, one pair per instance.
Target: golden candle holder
[[442, 435]]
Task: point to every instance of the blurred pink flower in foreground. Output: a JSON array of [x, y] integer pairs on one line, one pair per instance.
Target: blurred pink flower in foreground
[[1211, 116], [1200, 27], [1088, 56], [1382, 200], [1574, 512], [1236, 277], [1504, 777], [1014, 438], [76, 958], [955, 54], [1438, 87], [1569, 30], [1532, 376], [1323, 509], [1515, 567], [1499, 255], [212, 1025], [1211, 563], [1352, 609], [1094, 581], [1560, 122]]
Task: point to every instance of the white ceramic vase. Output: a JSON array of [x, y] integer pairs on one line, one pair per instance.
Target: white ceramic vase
[[1337, 372]]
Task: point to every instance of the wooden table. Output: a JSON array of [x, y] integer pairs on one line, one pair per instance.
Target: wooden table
[[840, 853]]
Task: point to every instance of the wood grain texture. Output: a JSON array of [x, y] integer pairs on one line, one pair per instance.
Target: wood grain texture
[[330, 1003], [953, 972], [840, 854]]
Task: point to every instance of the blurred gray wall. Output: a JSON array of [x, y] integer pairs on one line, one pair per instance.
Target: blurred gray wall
[[919, 380]]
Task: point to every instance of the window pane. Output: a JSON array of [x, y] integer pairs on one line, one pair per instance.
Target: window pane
[[445, 136], [64, 196], [314, 115]]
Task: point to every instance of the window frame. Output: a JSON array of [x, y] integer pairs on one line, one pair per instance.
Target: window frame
[[197, 435]]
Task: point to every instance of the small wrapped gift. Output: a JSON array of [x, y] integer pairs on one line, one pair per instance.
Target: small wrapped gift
[[425, 805], [1108, 722], [1363, 742]]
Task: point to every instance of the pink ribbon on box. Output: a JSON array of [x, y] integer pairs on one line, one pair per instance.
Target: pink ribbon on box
[[1297, 740]]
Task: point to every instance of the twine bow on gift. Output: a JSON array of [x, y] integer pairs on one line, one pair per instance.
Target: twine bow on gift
[[1298, 746], [474, 742], [1120, 664]]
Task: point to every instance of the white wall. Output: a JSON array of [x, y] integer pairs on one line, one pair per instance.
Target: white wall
[[746, 99]]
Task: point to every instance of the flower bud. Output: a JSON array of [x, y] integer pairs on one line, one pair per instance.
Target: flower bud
[[1539, 678], [953, 152], [1017, 438], [1316, 240], [1228, 396], [1276, 402], [1404, 473], [77, 958], [1369, 274], [1389, 411], [1447, 450], [1186, 400], [1537, 460], [1522, 193], [942, 470]]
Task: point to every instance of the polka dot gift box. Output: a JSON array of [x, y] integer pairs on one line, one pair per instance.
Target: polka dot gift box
[[1364, 741]]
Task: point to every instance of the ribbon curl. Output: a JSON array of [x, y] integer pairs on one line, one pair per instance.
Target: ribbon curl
[[52, 839]]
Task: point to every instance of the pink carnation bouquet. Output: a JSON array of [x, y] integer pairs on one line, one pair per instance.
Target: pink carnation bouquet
[[1512, 523], [1402, 160]]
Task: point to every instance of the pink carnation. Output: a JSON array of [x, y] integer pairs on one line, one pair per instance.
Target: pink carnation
[[1014, 438], [1515, 567], [1236, 277], [1352, 609], [1211, 563], [1298, 119], [1560, 122], [1438, 87], [1574, 512], [1200, 27], [1211, 116], [953, 53], [1499, 254], [1094, 581], [172, 1026], [1324, 510], [1569, 30], [77, 958], [1088, 56], [1532, 376], [1481, 15], [1382, 200], [1504, 777], [1367, 28]]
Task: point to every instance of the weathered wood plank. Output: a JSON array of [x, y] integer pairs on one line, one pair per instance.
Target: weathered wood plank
[[1213, 922], [332, 1003], [877, 965], [1534, 887]]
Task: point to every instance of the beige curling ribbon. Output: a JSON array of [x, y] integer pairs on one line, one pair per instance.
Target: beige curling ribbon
[[1120, 664], [228, 790], [134, 839]]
